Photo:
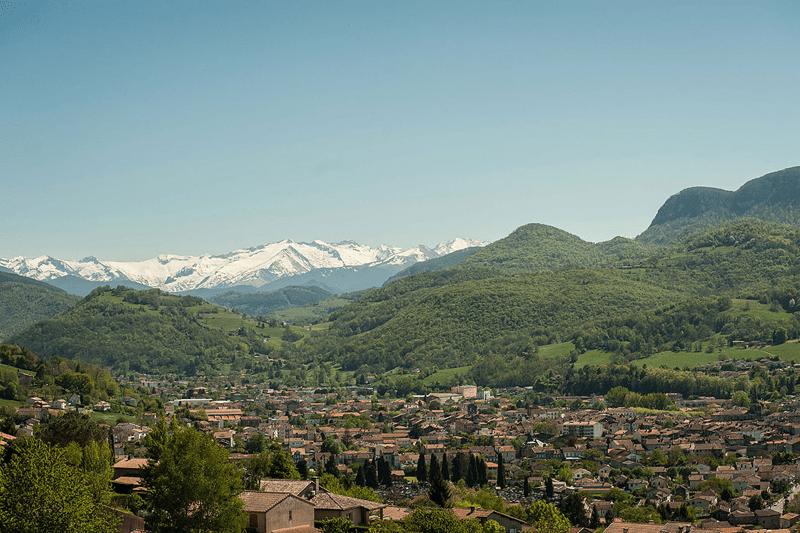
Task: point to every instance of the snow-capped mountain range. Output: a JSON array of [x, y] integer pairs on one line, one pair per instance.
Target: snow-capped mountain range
[[265, 267]]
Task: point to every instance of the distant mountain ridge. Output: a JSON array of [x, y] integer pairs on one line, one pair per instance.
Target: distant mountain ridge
[[774, 197], [335, 267]]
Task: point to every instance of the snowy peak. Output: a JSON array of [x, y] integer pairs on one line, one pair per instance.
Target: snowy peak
[[256, 266]]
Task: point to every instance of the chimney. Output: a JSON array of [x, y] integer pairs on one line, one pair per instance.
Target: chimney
[[316, 485]]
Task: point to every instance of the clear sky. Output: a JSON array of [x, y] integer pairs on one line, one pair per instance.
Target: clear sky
[[130, 128]]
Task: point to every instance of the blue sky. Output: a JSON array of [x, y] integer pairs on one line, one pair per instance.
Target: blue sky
[[129, 129]]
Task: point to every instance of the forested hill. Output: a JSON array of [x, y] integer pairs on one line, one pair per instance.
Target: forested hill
[[540, 247], [153, 332], [774, 197], [495, 319], [263, 303], [24, 301]]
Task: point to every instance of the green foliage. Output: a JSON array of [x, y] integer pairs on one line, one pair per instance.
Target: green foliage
[[24, 301], [41, 491], [71, 426], [333, 484], [440, 521], [440, 492], [263, 303], [336, 525], [193, 487], [546, 518], [144, 331], [273, 462]]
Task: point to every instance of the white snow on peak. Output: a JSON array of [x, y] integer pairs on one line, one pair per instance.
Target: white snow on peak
[[252, 266]]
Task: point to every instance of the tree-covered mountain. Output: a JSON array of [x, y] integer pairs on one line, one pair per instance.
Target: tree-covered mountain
[[24, 301], [774, 197], [262, 303], [150, 332], [438, 263], [540, 247], [473, 316]]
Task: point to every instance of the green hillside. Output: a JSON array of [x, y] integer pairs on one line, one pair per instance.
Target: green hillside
[[502, 318], [540, 247], [153, 332], [263, 303], [24, 301]]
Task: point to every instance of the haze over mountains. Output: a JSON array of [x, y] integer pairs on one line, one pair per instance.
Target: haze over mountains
[[349, 266], [490, 309], [339, 267]]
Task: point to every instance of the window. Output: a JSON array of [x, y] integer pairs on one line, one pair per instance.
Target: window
[[290, 516], [253, 520]]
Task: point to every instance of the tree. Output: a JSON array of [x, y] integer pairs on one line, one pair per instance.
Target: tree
[[445, 468], [594, 523], [371, 475], [472, 472], [501, 472], [336, 525], [546, 518], [330, 466], [302, 468], [71, 427], [440, 492], [440, 521], [273, 462], [549, 491], [433, 469], [483, 473], [422, 471], [572, 508], [526, 487], [361, 479], [460, 467], [193, 487], [40, 491]]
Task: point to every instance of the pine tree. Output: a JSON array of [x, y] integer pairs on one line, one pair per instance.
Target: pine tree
[[445, 468], [422, 471], [501, 472]]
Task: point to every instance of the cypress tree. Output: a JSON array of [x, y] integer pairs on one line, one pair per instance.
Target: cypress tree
[[594, 523], [422, 470], [472, 472], [501, 472], [371, 475], [330, 466], [483, 475], [548, 487], [459, 472], [361, 480], [384, 473], [440, 492], [526, 487], [445, 468], [433, 469]]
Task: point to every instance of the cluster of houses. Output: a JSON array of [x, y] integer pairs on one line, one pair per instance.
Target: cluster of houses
[[721, 441]]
